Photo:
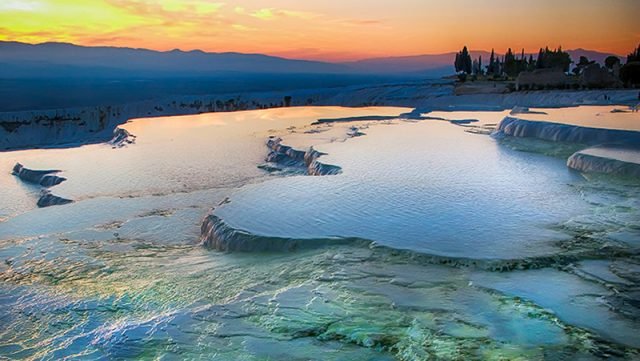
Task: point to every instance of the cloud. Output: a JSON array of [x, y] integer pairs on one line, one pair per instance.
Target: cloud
[[241, 27], [106, 39], [187, 9], [22, 5], [272, 13], [263, 14], [208, 7], [7, 34]]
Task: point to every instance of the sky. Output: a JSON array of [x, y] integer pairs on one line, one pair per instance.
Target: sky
[[330, 30]]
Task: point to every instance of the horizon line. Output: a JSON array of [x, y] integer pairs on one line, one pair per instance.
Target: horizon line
[[316, 59]]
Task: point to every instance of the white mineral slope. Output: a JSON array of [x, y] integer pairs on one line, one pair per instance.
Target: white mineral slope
[[560, 132], [69, 127], [613, 134], [623, 161], [532, 99]]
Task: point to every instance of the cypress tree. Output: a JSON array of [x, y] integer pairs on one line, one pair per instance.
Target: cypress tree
[[510, 63], [492, 66], [466, 60], [531, 63], [540, 61], [463, 62], [634, 56]]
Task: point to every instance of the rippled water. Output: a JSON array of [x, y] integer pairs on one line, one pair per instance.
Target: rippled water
[[427, 187], [119, 274], [171, 155]]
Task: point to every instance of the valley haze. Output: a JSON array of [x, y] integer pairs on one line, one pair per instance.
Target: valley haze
[[62, 75]]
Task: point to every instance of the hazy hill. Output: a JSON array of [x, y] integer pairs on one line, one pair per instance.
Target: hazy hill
[[59, 59], [46, 60], [59, 75], [592, 55], [406, 64]]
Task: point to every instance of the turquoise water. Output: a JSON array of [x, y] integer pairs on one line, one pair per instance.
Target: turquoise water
[[120, 273]]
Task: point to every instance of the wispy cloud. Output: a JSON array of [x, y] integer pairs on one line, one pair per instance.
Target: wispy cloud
[[187, 9], [241, 27], [6, 33], [272, 13], [22, 5]]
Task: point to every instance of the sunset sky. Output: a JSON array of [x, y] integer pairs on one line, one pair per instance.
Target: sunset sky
[[329, 29]]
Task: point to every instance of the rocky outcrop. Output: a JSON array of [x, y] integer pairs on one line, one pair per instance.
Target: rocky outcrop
[[307, 160], [121, 137], [45, 178], [558, 132], [524, 110], [354, 132], [47, 200], [463, 121]]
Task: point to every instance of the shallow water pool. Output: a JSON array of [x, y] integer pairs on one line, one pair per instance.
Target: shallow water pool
[[550, 266]]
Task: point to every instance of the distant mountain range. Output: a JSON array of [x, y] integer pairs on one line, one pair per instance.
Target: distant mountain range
[[52, 60], [47, 59]]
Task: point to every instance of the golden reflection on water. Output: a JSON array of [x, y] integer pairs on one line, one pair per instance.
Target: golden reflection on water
[[589, 116]]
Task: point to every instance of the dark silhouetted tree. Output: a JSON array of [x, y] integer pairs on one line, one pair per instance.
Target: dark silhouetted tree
[[491, 68], [634, 56], [532, 64], [611, 61], [553, 59], [630, 72], [477, 66], [510, 64], [582, 64], [540, 61], [463, 62]]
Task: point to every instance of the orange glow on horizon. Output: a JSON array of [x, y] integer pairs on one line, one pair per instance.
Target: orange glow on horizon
[[329, 30]]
